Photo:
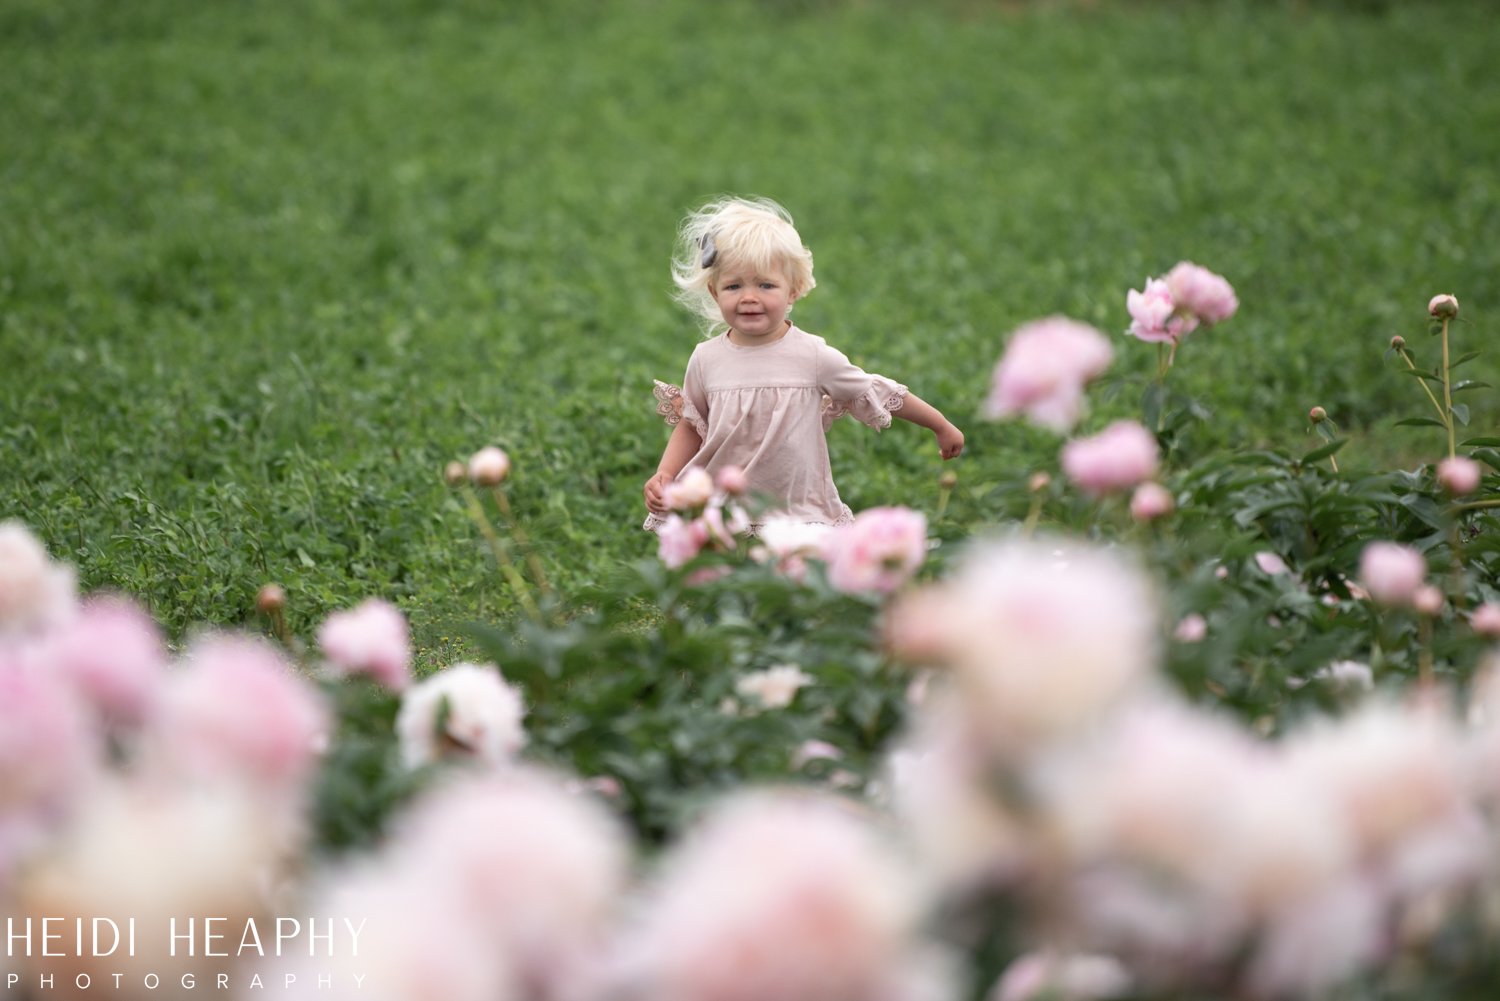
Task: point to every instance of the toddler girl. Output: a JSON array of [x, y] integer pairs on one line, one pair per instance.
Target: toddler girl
[[760, 393]]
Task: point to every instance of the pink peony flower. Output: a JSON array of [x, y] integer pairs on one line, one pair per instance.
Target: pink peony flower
[[1151, 501], [1117, 458], [690, 490], [1485, 620], [1043, 637], [1396, 775], [878, 552], [370, 639], [1271, 564], [1347, 674], [115, 656], [537, 869], [36, 594], [732, 481], [465, 711], [237, 710], [1044, 370], [148, 853], [1459, 475], [48, 752], [1191, 628], [1038, 976], [1154, 316], [815, 750], [414, 942], [1200, 292], [679, 540], [789, 544], [489, 466], [1443, 306], [1391, 572], [775, 687], [1428, 600], [776, 895]]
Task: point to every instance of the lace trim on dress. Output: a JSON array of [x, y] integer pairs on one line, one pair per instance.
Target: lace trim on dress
[[654, 522], [673, 407], [883, 409]]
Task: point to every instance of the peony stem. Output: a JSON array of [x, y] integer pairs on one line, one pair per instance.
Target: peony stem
[[1448, 394], [1424, 652], [532, 560], [502, 556], [1032, 516], [1435, 404]]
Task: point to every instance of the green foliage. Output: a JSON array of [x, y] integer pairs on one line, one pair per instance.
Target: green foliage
[[639, 684]]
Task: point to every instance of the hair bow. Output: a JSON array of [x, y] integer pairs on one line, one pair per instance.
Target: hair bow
[[710, 253]]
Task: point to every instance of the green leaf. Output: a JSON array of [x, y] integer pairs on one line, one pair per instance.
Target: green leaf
[[1482, 441], [1461, 411], [1469, 356], [1412, 422], [1467, 384], [1424, 509], [1324, 452], [1152, 402], [1422, 373]]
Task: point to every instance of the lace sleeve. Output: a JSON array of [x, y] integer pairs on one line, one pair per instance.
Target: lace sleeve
[[674, 407], [873, 407]]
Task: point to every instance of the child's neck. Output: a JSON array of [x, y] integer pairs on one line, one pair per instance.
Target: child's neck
[[746, 340]]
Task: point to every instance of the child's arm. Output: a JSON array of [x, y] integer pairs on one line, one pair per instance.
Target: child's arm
[[919, 412], [681, 447]]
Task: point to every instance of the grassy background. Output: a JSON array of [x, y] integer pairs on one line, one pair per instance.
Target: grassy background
[[265, 267]]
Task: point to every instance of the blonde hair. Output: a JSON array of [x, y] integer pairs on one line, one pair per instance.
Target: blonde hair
[[741, 232]]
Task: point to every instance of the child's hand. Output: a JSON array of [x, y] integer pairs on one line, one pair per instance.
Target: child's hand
[[950, 441], [656, 489]]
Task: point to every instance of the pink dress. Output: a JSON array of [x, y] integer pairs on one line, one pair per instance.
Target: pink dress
[[767, 408]]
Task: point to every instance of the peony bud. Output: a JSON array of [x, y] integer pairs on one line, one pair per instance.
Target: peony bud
[[732, 481], [1459, 475], [1151, 501], [1485, 620], [1038, 482], [489, 466], [1428, 600], [454, 474], [1317, 415], [270, 598], [1444, 307], [948, 480], [1391, 573], [1398, 342]]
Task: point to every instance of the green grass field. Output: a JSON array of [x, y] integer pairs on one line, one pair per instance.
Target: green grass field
[[266, 267]]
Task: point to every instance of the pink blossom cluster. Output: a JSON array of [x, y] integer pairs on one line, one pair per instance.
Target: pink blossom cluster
[[781, 895], [705, 515], [1171, 838], [370, 639], [1046, 366], [877, 552], [135, 783], [466, 712], [1120, 458], [1168, 309]]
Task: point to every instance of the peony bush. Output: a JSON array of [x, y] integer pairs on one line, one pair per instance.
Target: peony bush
[[1155, 725]]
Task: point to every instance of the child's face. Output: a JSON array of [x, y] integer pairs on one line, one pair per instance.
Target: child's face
[[753, 303]]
